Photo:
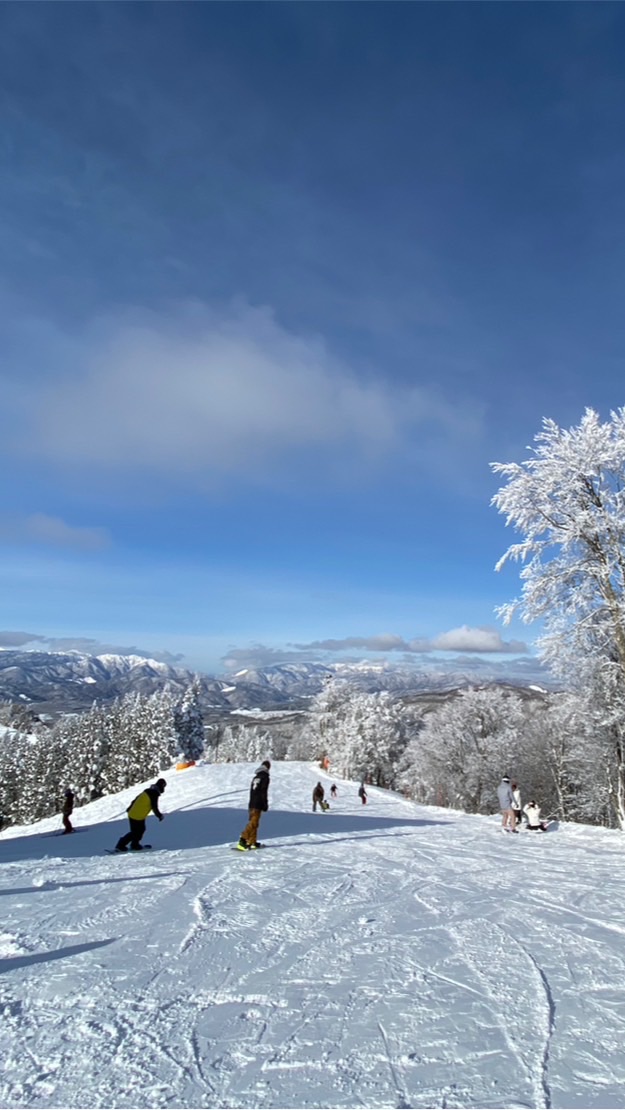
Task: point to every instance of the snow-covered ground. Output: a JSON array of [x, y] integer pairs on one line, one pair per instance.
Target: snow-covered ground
[[382, 956]]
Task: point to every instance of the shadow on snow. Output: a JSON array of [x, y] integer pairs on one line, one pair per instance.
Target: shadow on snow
[[14, 962], [209, 827], [49, 885]]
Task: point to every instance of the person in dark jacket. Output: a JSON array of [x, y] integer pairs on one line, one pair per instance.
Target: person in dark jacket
[[257, 804], [145, 803], [68, 809], [318, 795], [362, 793], [333, 790]]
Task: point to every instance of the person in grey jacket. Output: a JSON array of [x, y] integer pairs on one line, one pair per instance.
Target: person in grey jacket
[[506, 804]]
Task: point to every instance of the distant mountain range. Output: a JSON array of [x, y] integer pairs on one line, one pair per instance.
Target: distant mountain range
[[69, 682]]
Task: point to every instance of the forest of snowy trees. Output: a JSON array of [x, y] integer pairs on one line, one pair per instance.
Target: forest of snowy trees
[[99, 752], [452, 753], [565, 749]]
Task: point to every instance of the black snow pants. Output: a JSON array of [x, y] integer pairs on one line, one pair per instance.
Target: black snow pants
[[134, 837]]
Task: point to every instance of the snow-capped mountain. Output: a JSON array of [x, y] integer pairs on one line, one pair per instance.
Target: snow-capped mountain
[[55, 682], [71, 681]]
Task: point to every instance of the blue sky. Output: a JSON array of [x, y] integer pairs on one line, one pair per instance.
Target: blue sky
[[277, 283]]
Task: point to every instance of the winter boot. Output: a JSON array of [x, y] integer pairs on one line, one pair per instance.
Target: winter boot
[[243, 845]]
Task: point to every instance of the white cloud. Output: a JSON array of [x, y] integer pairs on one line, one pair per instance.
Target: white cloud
[[51, 531], [476, 639], [234, 394], [464, 639]]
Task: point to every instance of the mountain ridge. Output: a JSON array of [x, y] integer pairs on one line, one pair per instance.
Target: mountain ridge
[[70, 681]]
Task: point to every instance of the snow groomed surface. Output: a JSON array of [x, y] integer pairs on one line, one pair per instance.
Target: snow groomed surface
[[382, 956]]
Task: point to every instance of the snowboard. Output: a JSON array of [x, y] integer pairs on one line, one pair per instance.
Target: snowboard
[[130, 852]]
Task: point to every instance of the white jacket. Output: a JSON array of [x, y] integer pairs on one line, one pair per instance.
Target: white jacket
[[516, 794], [533, 815]]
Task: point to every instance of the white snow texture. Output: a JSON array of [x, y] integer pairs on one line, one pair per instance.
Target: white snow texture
[[387, 955]]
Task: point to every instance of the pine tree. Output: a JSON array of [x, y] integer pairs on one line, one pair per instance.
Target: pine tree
[[190, 723]]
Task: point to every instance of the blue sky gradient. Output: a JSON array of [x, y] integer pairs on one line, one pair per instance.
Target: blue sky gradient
[[277, 283]]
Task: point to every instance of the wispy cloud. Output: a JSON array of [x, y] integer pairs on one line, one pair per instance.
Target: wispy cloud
[[226, 394], [18, 639], [469, 641], [86, 645], [99, 647], [484, 640], [39, 528], [384, 642]]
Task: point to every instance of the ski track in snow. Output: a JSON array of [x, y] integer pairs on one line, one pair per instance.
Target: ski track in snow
[[403, 957]]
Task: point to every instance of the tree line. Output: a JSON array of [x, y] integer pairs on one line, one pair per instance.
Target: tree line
[[557, 746]]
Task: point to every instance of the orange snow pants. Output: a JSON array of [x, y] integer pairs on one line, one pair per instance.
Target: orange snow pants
[[251, 829]]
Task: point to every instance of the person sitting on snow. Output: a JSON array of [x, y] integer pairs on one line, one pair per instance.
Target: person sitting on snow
[[534, 823]]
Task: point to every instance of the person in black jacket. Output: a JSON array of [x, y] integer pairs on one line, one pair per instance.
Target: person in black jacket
[[258, 804], [318, 795], [68, 809]]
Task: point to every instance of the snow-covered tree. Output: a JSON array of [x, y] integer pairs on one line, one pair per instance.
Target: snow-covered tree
[[568, 502], [464, 748], [190, 723], [328, 711], [567, 759], [369, 738]]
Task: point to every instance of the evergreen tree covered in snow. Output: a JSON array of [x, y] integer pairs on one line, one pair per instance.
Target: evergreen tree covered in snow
[[190, 723]]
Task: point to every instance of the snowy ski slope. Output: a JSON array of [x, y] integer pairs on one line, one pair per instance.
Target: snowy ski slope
[[382, 956]]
